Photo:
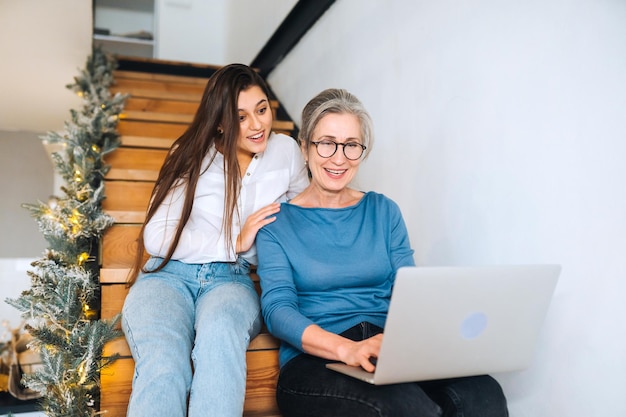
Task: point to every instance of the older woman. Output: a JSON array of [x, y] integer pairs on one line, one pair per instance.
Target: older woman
[[327, 267]]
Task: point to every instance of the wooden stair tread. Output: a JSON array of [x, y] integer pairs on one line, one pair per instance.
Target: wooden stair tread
[[166, 87], [150, 116], [146, 142], [160, 105], [151, 76], [190, 96]]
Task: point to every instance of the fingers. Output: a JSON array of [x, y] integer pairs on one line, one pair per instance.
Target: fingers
[[364, 353], [254, 222]]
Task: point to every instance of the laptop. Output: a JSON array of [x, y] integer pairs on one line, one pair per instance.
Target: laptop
[[446, 322]]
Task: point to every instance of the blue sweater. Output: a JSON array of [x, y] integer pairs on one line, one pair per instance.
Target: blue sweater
[[330, 267]]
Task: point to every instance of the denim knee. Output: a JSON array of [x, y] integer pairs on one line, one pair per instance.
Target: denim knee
[[476, 396]]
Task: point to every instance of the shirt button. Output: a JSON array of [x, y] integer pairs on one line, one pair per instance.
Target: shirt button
[[247, 173]]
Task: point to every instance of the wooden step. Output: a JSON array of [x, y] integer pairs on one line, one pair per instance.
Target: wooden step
[[149, 129], [135, 164], [151, 76], [127, 201], [159, 105], [119, 245], [146, 142], [160, 89]]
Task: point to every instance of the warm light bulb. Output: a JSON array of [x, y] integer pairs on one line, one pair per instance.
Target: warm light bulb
[[81, 259]]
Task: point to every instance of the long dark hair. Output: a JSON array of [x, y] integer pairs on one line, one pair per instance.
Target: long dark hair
[[216, 123]]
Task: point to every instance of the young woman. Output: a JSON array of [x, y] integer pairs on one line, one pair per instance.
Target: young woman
[[192, 308], [327, 267]]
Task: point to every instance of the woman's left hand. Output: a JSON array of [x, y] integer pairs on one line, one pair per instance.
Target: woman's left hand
[[253, 223]]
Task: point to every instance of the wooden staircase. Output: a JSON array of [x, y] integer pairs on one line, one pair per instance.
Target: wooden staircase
[[158, 110]]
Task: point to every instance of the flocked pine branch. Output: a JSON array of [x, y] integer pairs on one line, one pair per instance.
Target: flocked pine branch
[[64, 282]]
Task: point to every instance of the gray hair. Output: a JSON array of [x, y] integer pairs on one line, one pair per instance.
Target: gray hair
[[337, 101]]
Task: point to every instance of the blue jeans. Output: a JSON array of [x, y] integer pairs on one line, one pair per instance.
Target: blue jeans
[[307, 389], [188, 327]]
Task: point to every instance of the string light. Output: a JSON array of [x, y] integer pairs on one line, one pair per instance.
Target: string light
[[82, 258]]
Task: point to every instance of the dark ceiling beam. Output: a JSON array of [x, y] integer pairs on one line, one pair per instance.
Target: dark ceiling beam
[[299, 20]]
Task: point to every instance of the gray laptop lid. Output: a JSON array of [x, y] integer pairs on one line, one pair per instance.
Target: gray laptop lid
[[458, 321]]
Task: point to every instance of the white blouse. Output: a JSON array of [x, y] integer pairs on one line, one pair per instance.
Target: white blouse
[[277, 174]]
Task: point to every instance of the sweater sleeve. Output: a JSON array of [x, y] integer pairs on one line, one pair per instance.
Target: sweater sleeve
[[400, 247], [279, 299]]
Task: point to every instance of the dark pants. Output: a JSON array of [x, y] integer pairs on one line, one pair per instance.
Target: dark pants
[[307, 388]]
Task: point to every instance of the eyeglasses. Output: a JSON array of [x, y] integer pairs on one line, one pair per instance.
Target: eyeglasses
[[351, 150]]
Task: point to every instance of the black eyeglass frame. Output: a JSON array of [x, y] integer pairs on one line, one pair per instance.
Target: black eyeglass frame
[[337, 145]]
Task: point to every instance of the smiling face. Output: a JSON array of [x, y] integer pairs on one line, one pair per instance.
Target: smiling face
[[334, 174], [255, 123]]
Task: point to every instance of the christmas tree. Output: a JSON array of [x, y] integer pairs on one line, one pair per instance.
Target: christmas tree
[[61, 306]]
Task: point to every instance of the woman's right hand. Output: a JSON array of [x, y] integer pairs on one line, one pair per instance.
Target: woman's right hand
[[319, 342], [253, 223], [361, 353]]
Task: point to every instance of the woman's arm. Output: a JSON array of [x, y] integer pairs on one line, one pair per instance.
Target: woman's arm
[[160, 230], [279, 298]]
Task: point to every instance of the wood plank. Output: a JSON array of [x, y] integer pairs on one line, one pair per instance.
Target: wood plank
[[282, 125], [115, 387], [156, 116], [146, 142], [149, 93], [113, 297], [119, 245], [151, 76], [162, 86], [140, 159], [160, 105], [132, 174], [127, 195], [119, 346], [126, 216], [114, 275], [149, 129], [261, 382]]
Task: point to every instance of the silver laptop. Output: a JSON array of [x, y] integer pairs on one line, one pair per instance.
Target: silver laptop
[[448, 322]]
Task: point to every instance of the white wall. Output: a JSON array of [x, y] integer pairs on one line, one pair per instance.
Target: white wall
[[216, 32], [501, 132], [43, 45], [251, 23], [191, 31]]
